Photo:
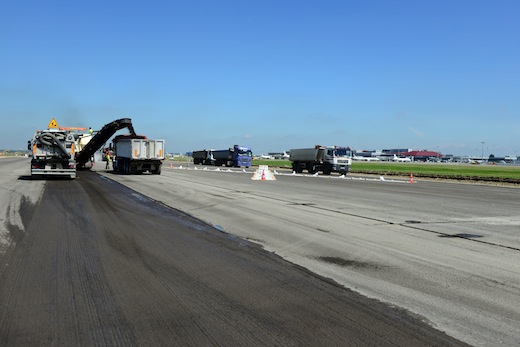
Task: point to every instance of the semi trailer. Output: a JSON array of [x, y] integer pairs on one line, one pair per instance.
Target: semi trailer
[[135, 154], [236, 156], [203, 157], [321, 158]]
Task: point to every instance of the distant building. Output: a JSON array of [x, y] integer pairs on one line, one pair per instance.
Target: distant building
[[424, 155]]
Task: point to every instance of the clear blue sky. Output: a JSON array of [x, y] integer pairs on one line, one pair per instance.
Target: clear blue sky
[[272, 74]]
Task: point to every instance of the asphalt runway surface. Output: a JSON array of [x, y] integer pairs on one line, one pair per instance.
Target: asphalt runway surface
[[91, 262]]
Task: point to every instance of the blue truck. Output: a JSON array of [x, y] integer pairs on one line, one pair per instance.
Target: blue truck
[[236, 156]]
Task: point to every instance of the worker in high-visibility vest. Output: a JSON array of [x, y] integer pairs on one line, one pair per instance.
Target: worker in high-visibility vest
[[108, 160]]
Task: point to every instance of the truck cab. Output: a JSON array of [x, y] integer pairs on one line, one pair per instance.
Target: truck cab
[[340, 158], [242, 156]]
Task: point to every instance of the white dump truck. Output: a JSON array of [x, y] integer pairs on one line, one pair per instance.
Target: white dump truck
[[321, 158], [135, 154], [53, 151]]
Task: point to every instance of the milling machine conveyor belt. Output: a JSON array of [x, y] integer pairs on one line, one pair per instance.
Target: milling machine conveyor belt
[[101, 137]]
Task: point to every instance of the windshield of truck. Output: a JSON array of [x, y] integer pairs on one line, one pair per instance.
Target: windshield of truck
[[343, 152], [244, 152]]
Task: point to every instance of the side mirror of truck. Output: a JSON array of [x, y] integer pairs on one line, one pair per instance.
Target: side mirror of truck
[[29, 145]]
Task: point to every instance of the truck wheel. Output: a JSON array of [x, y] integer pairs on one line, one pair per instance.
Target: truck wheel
[[311, 168], [327, 170], [297, 167]]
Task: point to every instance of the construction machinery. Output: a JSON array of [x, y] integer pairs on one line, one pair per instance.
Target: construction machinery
[[89, 144], [321, 158], [135, 154], [60, 151], [53, 151], [236, 156]]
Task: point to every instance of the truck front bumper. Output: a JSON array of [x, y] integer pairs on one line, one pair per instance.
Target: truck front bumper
[[245, 163], [341, 168]]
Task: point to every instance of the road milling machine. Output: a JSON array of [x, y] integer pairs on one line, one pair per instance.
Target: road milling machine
[[60, 151]]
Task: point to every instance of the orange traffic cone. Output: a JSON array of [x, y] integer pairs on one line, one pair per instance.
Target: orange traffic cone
[[411, 178], [263, 175], [171, 165]]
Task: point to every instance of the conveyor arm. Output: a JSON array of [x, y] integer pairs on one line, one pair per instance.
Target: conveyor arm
[[101, 138]]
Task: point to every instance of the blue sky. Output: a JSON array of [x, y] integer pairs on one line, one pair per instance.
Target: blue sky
[[272, 74]]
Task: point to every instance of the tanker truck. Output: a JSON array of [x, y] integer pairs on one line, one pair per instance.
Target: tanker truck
[[53, 151], [236, 156], [135, 154], [321, 158]]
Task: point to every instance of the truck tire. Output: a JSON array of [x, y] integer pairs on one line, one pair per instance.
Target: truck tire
[[297, 167], [327, 170], [311, 168]]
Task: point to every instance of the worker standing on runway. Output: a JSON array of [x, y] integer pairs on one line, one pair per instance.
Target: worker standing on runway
[[108, 159]]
